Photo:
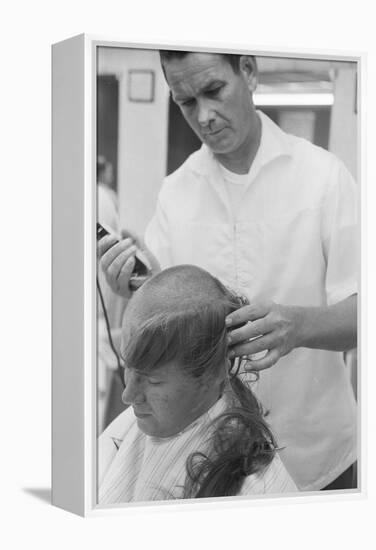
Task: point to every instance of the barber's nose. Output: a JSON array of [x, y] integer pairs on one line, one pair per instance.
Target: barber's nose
[[205, 113], [133, 389]]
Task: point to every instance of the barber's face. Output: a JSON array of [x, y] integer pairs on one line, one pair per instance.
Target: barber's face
[[215, 101], [165, 400]]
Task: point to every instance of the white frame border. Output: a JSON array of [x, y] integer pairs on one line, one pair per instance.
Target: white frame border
[[83, 501]]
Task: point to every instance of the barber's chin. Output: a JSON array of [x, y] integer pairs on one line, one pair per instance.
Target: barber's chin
[[219, 146]]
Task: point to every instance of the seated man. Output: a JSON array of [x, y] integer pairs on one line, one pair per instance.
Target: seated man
[[194, 428]]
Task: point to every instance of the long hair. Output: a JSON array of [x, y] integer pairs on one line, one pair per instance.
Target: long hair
[[195, 336], [241, 444]]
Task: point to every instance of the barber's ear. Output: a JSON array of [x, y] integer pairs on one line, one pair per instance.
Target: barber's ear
[[248, 68]]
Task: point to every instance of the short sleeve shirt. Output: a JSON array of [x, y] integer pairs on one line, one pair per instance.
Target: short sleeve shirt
[[294, 241]]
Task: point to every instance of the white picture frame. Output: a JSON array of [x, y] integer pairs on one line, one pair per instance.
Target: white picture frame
[[74, 266]]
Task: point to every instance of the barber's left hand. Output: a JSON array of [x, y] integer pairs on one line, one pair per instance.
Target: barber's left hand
[[272, 327]]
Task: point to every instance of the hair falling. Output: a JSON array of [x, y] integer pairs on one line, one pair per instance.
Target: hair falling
[[241, 445]]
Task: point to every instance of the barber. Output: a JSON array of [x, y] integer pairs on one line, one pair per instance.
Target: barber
[[274, 217]]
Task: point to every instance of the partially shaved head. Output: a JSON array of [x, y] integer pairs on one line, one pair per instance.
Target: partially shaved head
[[179, 288], [174, 346], [179, 314]]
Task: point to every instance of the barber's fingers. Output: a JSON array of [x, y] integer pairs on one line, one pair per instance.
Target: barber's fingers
[[122, 265], [269, 360], [105, 244], [252, 312], [249, 330], [112, 253], [127, 234], [254, 346], [154, 264]]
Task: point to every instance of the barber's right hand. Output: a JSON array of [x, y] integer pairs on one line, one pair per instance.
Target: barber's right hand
[[117, 262]]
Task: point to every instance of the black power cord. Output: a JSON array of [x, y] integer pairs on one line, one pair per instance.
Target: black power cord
[[120, 369]]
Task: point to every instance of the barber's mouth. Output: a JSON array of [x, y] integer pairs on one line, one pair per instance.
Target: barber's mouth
[[141, 415], [214, 133]]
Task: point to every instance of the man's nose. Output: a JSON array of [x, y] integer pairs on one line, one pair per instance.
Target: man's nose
[[133, 389], [206, 114]]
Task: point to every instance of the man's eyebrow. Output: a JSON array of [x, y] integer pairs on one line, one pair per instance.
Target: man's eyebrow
[[179, 98], [141, 372], [127, 367], [212, 84], [146, 373], [205, 88], [137, 371]]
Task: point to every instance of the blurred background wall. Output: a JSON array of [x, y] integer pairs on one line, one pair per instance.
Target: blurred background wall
[[132, 109]]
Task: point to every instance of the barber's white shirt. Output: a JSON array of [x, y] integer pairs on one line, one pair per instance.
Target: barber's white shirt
[[137, 467], [293, 239]]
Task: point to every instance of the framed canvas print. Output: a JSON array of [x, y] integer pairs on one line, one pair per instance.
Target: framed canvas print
[[206, 272]]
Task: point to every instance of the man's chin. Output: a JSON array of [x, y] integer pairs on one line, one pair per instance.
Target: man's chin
[[148, 427], [145, 425], [219, 147]]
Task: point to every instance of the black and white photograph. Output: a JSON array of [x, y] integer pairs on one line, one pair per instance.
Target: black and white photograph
[[228, 274], [188, 269]]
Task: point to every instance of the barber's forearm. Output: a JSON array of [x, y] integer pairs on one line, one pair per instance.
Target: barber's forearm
[[332, 328]]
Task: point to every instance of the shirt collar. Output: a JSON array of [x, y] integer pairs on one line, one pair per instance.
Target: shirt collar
[[274, 142]]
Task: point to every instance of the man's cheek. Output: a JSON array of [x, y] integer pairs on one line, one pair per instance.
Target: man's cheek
[[159, 400]]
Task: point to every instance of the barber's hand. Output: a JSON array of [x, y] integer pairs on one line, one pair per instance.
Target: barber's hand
[[117, 260], [154, 264], [271, 327]]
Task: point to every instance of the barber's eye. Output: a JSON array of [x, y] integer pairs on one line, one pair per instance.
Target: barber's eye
[[188, 103], [214, 91]]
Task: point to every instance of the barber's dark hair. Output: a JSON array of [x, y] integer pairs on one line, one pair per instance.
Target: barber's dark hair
[[166, 55], [195, 336]]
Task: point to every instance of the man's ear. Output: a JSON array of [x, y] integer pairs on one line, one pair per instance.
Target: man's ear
[[248, 68]]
